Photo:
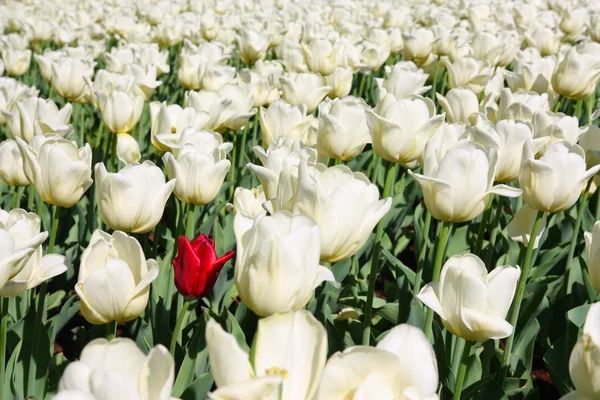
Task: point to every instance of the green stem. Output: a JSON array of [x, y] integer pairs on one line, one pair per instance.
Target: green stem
[[16, 198], [55, 221], [111, 330], [82, 123], [457, 353], [483, 224], [495, 229], [361, 87], [422, 253], [435, 78], [462, 372], [578, 107], [582, 203], [513, 315], [3, 330], [30, 197], [180, 319], [190, 226], [558, 104], [243, 146], [437, 269], [444, 82], [590, 107], [366, 337], [597, 210], [255, 130], [157, 234]]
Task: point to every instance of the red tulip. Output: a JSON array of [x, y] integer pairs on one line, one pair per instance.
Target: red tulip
[[197, 266]]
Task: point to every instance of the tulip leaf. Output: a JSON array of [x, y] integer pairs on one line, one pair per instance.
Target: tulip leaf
[[486, 389], [577, 315], [396, 263], [359, 301], [13, 382], [557, 362], [199, 388]]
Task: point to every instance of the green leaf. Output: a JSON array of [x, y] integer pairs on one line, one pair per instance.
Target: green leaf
[[577, 315], [359, 301], [410, 274], [485, 389], [199, 388], [557, 362]]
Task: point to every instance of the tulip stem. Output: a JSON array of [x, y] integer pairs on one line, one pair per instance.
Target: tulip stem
[[111, 330], [496, 228], [483, 224], [3, 329], [462, 372], [366, 337], [568, 285], [590, 107], [422, 253], [178, 324], [437, 269], [435, 78], [578, 107], [190, 226], [513, 315]]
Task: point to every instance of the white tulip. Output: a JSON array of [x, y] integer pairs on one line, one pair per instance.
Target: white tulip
[[114, 278], [133, 199], [458, 104], [20, 236], [403, 80], [128, 149], [169, 121], [253, 45], [340, 81], [282, 154], [343, 131], [304, 88], [277, 266], [402, 366], [467, 72], [34, 116], [521, 106], [16, 61], [11, 164], [471, 302], [520, 227], [60, 172], [121, 111], [321, 56], [345, 205], [247, 205], [118, 369], [592, 245], [401, 127], [281, 119], [457, 185], [291, 347], [555, 181], [67, 78], [584, 363]]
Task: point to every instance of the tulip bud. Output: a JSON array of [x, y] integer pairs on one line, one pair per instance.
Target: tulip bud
[[576, 75], [343, 131], [592, 245], [555, 181], [133, 199], [457, 185], [418, 45], [121, 111], [584, 363], [471, 302], [128, 150], [11, 164], [277, 267], [114, 264], [401, 127], [197, 266], [59, 170], [247, 205], [118, 368]]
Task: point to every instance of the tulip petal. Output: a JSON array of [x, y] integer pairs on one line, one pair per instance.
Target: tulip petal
[[229, 364], [157, 375], [502, 284], [429, 296], [505, 190], [297, 343], [264, 388], [483, 326]]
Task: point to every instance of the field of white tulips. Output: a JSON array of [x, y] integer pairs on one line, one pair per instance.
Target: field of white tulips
[[299, 200]]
